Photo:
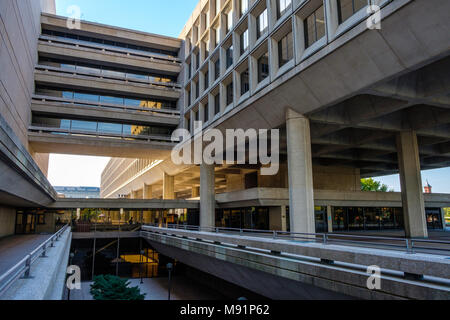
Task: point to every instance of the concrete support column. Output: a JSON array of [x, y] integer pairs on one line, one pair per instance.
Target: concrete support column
[[444, 227], [330, 219], [301, 194], [207, 196], [168, 187], [148, 192], [411, 184], [195, 192]]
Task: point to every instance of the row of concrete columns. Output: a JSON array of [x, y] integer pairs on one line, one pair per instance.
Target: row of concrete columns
[[301, 188]]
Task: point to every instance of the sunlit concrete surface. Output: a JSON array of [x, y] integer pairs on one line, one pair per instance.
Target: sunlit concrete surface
[[47, 274], [157, 289], [15, 248]]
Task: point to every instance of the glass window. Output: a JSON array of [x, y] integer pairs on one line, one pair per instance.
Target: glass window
[[229, 20], [314, 27], [230, 93], [244, 7], [197, 59], [206, 49], [110, 128], [282, 7], [206, 113], [245, 85], [244, 41], [347, 8], [261, 24], [263, 67], [67, 94], [218, 6], [110, 99], [217, 69], [229, 54], [217, 35], [206, 80], [197, 90], [285, 50], [86, 96], [217, 103], [84, 125]]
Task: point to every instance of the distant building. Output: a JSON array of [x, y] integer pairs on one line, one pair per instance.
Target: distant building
[[79, 192], [428, 188]]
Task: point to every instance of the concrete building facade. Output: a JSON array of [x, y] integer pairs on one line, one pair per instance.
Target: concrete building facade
[[351, 101]]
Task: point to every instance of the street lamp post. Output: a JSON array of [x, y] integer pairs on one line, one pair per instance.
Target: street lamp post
[[140, 269], [170, 268]]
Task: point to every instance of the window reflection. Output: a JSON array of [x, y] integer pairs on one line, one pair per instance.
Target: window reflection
[[118, 100], [100, 127]]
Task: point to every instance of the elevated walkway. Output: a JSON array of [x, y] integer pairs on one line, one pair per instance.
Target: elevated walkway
[[302, 267], [41, 273]]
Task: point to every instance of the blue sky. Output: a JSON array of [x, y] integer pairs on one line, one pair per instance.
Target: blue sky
[[167, 18], [154, 16]]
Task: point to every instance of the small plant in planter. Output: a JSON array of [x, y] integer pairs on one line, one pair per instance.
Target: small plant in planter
[[108, 287]]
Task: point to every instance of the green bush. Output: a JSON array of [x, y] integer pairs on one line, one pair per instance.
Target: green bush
[[108, 287]]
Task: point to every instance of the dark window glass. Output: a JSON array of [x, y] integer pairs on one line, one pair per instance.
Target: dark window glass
[[206, 113], [285, 50], [217, 103], [229, 60], [245, 86], [347, 8], [197, 90], [230, 93], [206, 80], [217, 69], [314, 27], [197, 59], [263, 67]]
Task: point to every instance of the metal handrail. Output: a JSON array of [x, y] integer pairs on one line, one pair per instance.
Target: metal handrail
[[159, 85], [106, 48], [409, 245], [160, 112], [23, 267], [149, 138]]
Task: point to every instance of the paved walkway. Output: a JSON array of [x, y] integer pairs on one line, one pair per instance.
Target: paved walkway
[[183, 288], [15, 248]]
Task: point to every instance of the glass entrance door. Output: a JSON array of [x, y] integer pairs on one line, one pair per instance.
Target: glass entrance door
[[25, 222]]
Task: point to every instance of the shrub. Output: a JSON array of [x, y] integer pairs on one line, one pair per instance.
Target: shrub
[[108, 287]]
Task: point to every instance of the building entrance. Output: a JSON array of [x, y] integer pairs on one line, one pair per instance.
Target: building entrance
[[25, 222]]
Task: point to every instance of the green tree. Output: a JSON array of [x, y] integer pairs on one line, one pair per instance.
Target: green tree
[[108, 287], [373, 185]]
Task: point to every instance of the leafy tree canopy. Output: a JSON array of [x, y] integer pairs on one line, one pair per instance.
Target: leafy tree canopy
[[108, 287], [373, 185]]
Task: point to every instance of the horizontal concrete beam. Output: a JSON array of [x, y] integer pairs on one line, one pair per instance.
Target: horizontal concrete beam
[[63, 80], [69, 50], [123, 204], [97, 146], [59, 23], [102, 113]]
